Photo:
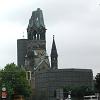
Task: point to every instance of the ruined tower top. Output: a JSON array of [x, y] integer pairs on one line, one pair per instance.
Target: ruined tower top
[[36, 19], [36, 28]]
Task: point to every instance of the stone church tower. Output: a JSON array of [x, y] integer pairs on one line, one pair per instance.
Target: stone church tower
[[54, 56], [31, 52], [36, 58]]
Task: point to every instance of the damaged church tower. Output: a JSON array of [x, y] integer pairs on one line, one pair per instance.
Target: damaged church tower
[[36, 56], [36, 28], [31, 52]]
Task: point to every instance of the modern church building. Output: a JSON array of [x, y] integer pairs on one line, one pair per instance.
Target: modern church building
[[46, 78]]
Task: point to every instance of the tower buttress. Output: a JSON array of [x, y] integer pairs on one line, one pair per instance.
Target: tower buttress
[[54, 56]]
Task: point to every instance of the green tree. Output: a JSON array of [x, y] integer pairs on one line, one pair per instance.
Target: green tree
[[97, 83], [14, 78], [78, 91]]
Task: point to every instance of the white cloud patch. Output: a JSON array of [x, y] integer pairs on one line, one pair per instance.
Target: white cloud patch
[[75, 24]]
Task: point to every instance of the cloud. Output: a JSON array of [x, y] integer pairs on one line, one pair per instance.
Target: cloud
[[75, 24]]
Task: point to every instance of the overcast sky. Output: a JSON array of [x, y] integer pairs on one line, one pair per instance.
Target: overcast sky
[[75, 24]]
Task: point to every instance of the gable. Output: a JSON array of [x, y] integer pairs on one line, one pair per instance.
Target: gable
[[42, 66]]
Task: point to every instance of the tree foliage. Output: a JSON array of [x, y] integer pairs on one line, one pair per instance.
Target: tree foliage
[[97, 83], [14, 78], [78, 91]]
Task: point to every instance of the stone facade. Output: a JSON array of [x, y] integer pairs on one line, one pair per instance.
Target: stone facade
[[51, 80], [21, 51]]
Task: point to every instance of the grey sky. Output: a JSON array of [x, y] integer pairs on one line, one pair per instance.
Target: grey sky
[[75, 24]]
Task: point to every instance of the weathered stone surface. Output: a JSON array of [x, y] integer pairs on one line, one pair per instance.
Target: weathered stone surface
[[36, 28]]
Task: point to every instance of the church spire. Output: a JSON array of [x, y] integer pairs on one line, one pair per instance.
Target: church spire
[[54, 56]]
